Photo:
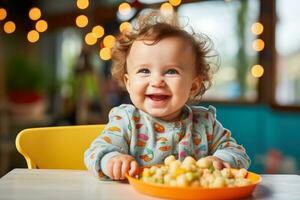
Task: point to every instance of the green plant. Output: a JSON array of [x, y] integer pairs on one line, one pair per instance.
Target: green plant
[[23, 74]]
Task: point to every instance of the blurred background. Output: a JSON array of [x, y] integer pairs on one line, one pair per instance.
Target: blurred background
[[55, 69]]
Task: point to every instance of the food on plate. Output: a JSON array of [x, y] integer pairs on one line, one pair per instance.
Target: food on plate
[[194, 173]]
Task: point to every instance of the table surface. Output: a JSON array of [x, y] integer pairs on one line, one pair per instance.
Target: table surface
[[78, 184]]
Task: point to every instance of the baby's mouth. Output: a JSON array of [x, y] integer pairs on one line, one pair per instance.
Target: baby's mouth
[[158, 97]]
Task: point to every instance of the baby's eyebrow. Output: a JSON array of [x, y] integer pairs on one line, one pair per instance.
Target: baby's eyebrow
[[141, 66], [174, 65]]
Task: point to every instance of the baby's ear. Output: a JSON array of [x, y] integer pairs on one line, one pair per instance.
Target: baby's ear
[[196, 85], [126, 81]]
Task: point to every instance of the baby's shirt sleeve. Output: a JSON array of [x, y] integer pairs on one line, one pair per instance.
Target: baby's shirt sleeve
[[224, 146], [114, 140]]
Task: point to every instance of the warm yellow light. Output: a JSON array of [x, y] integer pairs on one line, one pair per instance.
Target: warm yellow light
[[3, 14], [98, 31], [82, 4], [109, 41], [34, 13], [90, 39], [82, 21], [41, 26], [258, 45], [9, 27], [33, 36], [257, 71], [105, 53], [175, 2], [125, 26], [257, 28], [124, 8], [166, 8]]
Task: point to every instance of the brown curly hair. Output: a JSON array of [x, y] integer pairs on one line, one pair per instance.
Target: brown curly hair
[[154, 26]]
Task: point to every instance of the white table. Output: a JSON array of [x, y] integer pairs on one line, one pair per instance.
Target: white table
[[75, 184]]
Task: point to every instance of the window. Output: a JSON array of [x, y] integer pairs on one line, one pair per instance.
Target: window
[[288, 52], [228, 24]]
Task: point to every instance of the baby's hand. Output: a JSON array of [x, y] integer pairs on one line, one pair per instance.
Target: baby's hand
[[119, 165], [217, 162]]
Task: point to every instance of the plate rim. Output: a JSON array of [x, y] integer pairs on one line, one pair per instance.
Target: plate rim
[[194, 188]]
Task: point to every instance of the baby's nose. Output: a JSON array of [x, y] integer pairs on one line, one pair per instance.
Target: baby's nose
[[157, 81]]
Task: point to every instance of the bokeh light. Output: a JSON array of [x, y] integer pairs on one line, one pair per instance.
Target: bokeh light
[[105, 53], [82, 21], [166, 8], [9, 27], [109, 41], [125, 26], [41, 26], [124, 8], [257, 28], [3, 14], [90, 39], [34, 13], [82, 4], [175, 2], [258, 45], [98, 31], [257, 71], [33, 36]]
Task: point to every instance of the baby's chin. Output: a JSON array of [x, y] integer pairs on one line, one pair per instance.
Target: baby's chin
[[161, 114]]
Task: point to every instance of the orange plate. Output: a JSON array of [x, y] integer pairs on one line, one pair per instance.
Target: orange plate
[[191, 193]]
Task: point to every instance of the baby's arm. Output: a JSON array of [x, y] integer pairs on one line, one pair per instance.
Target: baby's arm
[[224, 147], [111, 145]]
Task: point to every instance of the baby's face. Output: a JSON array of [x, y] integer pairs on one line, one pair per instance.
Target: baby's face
[[160, 78]]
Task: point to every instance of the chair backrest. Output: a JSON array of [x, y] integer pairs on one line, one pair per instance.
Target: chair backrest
[[56, 147]]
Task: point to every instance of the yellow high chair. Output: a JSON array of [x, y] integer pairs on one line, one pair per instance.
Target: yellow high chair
[[56, 147]]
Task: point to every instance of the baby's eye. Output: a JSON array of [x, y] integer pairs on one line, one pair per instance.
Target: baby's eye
[[172, 71], [144, 71]]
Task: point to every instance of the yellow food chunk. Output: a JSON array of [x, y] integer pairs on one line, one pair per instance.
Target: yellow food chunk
[[204, 163], [188, 161], [181, 180], [169, 159]]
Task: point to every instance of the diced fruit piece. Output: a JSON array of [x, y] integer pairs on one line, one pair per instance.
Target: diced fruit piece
[[204, 163], [169, 159]]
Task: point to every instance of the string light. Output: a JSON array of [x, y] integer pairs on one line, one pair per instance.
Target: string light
[[98, 31], [34, 13], [124, 8], [3, 14], [90, 39], [109, 41], [33, 36], [257, 71], [258, 45], [82, 21], [105, 53], [257, 28], [175, 2], [82, 4], [125, 26], [9, 27], [41, 26]]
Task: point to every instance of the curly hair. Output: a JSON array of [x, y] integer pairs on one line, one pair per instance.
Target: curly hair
[[154, 26]]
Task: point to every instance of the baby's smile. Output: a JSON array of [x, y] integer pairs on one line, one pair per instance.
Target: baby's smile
[[158, 97], [158, 100]]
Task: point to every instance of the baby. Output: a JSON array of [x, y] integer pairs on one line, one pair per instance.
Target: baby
[[163, 67]]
